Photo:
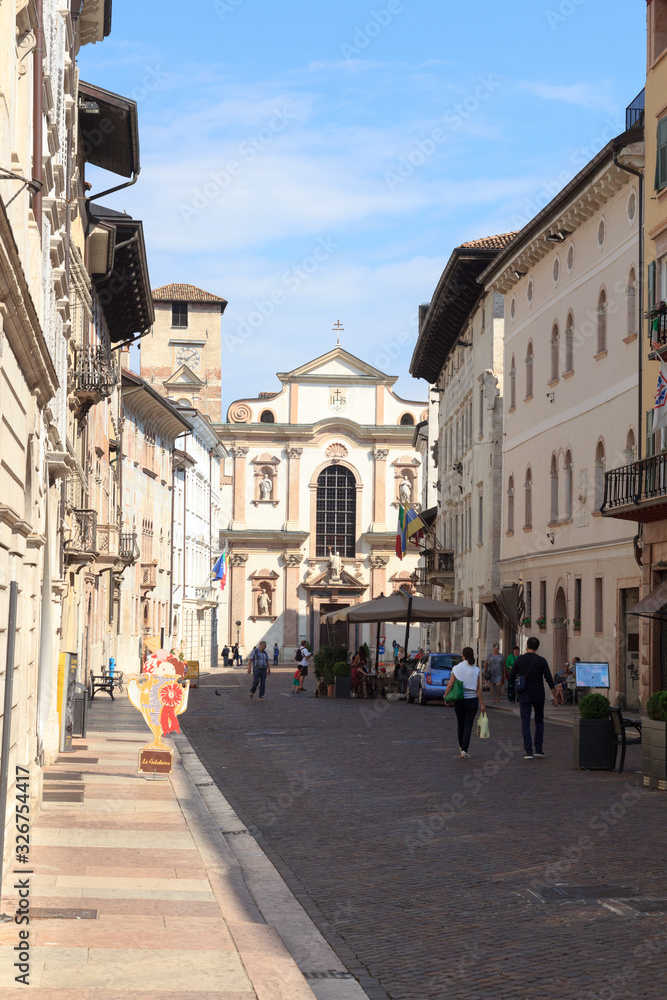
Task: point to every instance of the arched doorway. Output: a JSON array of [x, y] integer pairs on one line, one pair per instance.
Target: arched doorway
[[560, 631]]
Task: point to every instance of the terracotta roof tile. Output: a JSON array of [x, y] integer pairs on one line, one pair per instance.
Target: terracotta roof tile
[[491, 242], [184, 293]]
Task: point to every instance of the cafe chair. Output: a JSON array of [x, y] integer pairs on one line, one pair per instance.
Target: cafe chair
[[621, 737]]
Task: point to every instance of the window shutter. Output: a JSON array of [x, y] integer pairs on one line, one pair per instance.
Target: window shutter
[[651, 285], [661, 159]]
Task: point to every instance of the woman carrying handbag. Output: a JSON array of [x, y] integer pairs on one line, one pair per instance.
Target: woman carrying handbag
[[468, 675]]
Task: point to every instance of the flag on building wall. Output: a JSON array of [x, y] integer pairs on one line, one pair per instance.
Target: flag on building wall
[[400, 531], [414, 526], [220, 570], [660, 408]]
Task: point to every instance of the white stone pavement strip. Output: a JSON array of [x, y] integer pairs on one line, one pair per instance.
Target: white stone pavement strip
[[274, 902], [160, 840]]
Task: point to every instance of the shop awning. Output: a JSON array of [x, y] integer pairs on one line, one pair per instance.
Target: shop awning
[[504, 606], [653, 603]]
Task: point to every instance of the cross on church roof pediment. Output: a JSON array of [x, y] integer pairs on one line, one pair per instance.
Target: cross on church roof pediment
[[183, 378]]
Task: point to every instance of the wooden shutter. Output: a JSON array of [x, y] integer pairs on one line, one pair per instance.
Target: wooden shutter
[[661, 159], [651, 285]]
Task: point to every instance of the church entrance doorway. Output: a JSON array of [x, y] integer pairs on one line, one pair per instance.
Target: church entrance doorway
[[560, 631], [333, 633]]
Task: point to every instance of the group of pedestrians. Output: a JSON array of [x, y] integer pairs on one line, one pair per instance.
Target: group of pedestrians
[[233, 654], [528, 673], [260, 668]]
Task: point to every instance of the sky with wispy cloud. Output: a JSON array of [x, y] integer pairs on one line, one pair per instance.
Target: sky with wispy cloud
[[314, 162]]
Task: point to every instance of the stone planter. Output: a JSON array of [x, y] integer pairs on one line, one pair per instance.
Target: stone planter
[[654, 754], [594, 748], [331, 688], [343, 686]]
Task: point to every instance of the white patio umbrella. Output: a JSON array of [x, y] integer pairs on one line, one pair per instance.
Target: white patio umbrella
[[400, 607]]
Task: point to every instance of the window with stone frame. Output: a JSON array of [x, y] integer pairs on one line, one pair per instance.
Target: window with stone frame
[[555, 352], [179, 315], [528, 499], [600, 462], [529, 370], [513, 385], [554, 489], [569, 485], [569, 343], [510, 505], [336, 512], [602, 322], [632, 303], [599, 620]]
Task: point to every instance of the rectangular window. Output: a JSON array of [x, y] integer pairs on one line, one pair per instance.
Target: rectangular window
[[661, 157], [481, 411], [179, 314], [543, 601], [598, 604], [651, 285], [480, 520], [528, 600], [657, 28], [577, 604]]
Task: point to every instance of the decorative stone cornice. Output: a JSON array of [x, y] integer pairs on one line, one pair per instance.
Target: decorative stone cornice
[[379, 562], [239, 451], [291, 559], [238, 558], [294, 453], [380, 454]]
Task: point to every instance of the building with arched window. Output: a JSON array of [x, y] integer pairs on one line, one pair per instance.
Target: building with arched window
[[310, 501]]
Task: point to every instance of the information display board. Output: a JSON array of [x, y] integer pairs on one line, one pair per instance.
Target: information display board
[[192, 673], [592, 675]]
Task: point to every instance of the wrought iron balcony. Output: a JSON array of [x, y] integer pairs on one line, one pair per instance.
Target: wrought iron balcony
[[657, 325], [127, 546], [94, 375], [637, 492], [437, 568], [634, 113], [209, 593], [81, 545], [148, 576]]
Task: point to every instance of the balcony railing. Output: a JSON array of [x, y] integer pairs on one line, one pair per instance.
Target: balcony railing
[[127, 546], [439, 561], [634, 113], [657, 325], [94, 373], [635, 485], [209, 593], [83, 534]]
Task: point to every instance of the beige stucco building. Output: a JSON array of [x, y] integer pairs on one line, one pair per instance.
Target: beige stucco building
[[459, 351], [570, 359], [319, 468]]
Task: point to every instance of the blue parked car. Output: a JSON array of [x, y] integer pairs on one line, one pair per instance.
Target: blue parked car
[[430, 677]]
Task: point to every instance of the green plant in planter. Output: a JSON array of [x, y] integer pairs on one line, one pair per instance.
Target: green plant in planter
[[341, 669], [594, 706], [656, 706], [542, 622], [325, 660], [526, 622]]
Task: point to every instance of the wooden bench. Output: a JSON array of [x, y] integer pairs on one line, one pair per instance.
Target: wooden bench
[[104, 682]]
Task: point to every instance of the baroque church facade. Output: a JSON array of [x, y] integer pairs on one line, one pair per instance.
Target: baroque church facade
[[317, 471]]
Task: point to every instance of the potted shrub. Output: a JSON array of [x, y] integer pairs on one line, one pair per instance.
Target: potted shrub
[[324, 662], [526, 622], [342, 679], [654, 742], [541, 622], [594, 746], [576, 625]]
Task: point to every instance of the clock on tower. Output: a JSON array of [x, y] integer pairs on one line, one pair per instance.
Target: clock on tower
[[189, 356]]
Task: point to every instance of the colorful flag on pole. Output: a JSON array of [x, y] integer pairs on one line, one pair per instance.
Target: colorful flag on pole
[[400, 531], [220, 570], [660, 409], [414, 526]]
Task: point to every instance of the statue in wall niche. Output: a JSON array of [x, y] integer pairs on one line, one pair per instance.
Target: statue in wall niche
[[266, 488], [336, 564], [405, 491], [264, 603]]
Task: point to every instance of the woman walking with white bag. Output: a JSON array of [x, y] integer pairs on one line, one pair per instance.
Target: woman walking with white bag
[[466, 707]]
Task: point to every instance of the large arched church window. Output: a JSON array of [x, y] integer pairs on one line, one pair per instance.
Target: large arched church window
[[336, 512]]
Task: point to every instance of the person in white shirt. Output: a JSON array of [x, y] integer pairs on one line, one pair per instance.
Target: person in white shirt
[[466, 708], [305, 660]]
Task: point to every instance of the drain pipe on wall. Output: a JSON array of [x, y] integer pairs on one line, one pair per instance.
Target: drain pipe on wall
[[37, 115]]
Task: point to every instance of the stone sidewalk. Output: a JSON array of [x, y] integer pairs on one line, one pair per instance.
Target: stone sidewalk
[[154, 888]]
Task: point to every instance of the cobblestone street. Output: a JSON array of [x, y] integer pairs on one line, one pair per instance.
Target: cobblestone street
[[433, 876]]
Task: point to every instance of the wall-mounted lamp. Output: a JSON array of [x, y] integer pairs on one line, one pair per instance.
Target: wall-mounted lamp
[[551, 537], [551, 396], [519, 274], [462, 343]]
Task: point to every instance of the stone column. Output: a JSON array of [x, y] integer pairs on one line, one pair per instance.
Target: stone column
[[239, 495], [378, 575], [237, 561], [291, 562], [379, 489], [292, 488]]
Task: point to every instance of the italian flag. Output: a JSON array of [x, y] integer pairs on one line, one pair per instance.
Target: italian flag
[[400, 530]]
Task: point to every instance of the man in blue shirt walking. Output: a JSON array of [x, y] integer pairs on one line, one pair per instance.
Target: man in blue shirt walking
[[259, 664]]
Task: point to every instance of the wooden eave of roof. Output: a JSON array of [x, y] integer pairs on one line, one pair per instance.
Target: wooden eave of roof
[[138, 396], [116, 145], [125, 293], [453, 302], [579, 200]]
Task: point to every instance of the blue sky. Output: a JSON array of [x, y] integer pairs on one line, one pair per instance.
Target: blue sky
[[316, 162]]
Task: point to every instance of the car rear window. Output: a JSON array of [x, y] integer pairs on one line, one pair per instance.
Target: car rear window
[[445, 661]]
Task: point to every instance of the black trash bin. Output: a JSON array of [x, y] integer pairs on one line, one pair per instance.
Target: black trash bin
[[80, 710]]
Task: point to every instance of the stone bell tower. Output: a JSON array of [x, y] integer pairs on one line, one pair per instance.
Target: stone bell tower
[[180, 357]]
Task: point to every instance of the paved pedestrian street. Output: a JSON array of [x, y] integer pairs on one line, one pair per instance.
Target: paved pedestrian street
[[433, 876]]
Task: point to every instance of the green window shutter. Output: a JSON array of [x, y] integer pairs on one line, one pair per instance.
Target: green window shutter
[[650, 441], [651, 286], [661, 158]]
